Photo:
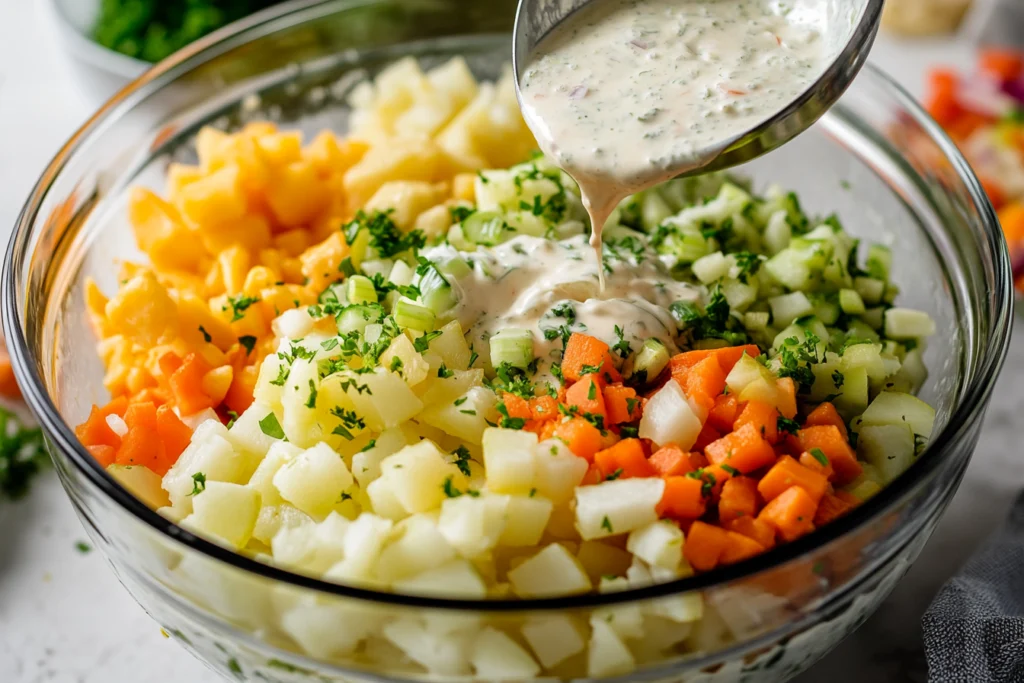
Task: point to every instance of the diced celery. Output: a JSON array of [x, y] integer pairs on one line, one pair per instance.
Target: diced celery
[[777, 234], [879, 263], [401, 274], [739, 295], [411, 315], [686, 246], [869, 289], [873, 317], [891, 292], [890, 448], [850, 302], [359, 289], [513, 346], [788, 307], [457, 238], [906, 323], [487, 228], [853, 396], [826, 311], [857, 329], [756, 321], [435, 292], [712, 267], [651, 359], [653, 210], [457, 267], [357, 318], [891, 407], [380, 267]]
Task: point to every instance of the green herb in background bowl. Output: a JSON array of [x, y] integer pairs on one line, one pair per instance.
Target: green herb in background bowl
[[151, 30]]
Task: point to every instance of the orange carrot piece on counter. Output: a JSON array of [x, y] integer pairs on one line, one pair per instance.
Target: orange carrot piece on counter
[[621, 404], [787, 472], [743, 450], [739, 499], [763, 416], [624, 460], [587, 395], [753, 528], [829, 440], [683, 498], [704, 545], [739, 547], [583, 350], [826, 414], [791, 513], [1004, 64], [671, 461], [723, 414], [582, 438]]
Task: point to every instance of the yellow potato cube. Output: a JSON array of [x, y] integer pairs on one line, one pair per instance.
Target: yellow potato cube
[[401, 159], [209, 142], [180, 175], [251, 231], [214, 200], [160, 232], [406, 200], [258, 278], [96, 304], [296, 194], [292, 242], [193, 313], [464, 187], [279, 149], [320, 262], [234, 265], [434, 222], [329, 155], [143, 311], [216, 382]]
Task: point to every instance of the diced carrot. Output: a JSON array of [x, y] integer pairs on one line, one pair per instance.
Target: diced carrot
[[727, 357], [739, 547], [704, 546], [621, 403], [786, 397], [624, 460], [8, 384], [104, 455], [704, 381], [592, 477], [831, 508], [243, 383], [169, 363], [671, 461], [587, 395], [517, 406], [187, 385], [717, 476], [174, 433], [96, 432], [787, 472], [582, 438], [708, 434], [791, 513], [754, 528], [548, 430], [723, 414], [583, 350], [743, 450], [141, 414], [763, 416], [738, 499], [811, 462], [697, 460], [142, 446], [683, 498], [1004, 64], [543, 408], [837, 449], [826, 414]]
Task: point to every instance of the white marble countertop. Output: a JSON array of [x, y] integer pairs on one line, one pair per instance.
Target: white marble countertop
[[64, 618]]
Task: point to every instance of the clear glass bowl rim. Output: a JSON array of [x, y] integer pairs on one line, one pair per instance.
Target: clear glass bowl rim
[[61, 435]]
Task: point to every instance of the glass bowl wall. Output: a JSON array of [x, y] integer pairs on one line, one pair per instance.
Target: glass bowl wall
[[875, 159]]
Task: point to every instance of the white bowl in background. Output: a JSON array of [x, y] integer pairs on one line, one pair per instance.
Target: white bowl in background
[[100, 72]]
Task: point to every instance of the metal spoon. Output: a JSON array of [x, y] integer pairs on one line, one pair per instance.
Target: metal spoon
[[852, 28]]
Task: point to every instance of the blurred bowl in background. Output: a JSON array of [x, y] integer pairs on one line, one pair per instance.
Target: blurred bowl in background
[[99, 72]]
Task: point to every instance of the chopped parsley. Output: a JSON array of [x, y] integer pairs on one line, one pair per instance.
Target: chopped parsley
[[507, 422], [22, 455], [444, 373], [239, 305], [349, 421], [784, 424], [248, 343], [714, 322], [462, 458], [837, 379], [820, 456], [385, 237], [206, 335], [311, 401], [614, 475], [271, 427], [422, 343], [83, 547], [198, 483], [621, 346], [606, 524], [232, 419]]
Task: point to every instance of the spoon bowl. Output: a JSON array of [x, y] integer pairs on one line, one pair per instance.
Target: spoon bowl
[[852, 26]]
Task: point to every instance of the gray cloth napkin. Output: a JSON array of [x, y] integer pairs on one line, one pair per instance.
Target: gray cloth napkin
[[974, 630]]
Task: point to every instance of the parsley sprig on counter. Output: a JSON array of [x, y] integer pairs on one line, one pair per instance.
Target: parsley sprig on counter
[[22, 456]]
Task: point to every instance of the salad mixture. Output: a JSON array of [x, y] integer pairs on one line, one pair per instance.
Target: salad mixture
[[385, 360], [984, 114]]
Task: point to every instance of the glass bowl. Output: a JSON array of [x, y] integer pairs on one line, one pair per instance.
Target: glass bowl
[[875, 159]]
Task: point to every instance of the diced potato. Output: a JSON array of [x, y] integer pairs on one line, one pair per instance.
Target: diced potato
[[364, 540], [309, 546], [607, 655], [366, 463], [226, 512], [658, 544], [552, 571], [444, 654], [526, 519], [413, 368], [473, 524], [602, 560], [262, 479], [327, 631], [389, 403], [617, 507], [273, 518], [452, 347], [509, 460], [553, 638], [406, 159], [454, 579], [557, 471], [406, 200], [669, 418], [314, 480], [417, 475], [141, 482], [142, 310], [466, 417], [210, 453], [417, 546], [496, 657], [382, 498]]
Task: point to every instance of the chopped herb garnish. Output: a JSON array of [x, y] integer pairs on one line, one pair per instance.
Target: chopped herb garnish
[[614, 475], [232, 419], [820, 456], [311, 401], [198, 484], [349, 421], [462, 458], [444, 373], [239, 305], [271, 427], [83, 547], [784, 424], [248, 343], [422, 343], [621, 346], [206, 335], [606, 524]]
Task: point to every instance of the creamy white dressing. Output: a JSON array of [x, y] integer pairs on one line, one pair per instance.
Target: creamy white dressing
[[626, 94], [518, 283]]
